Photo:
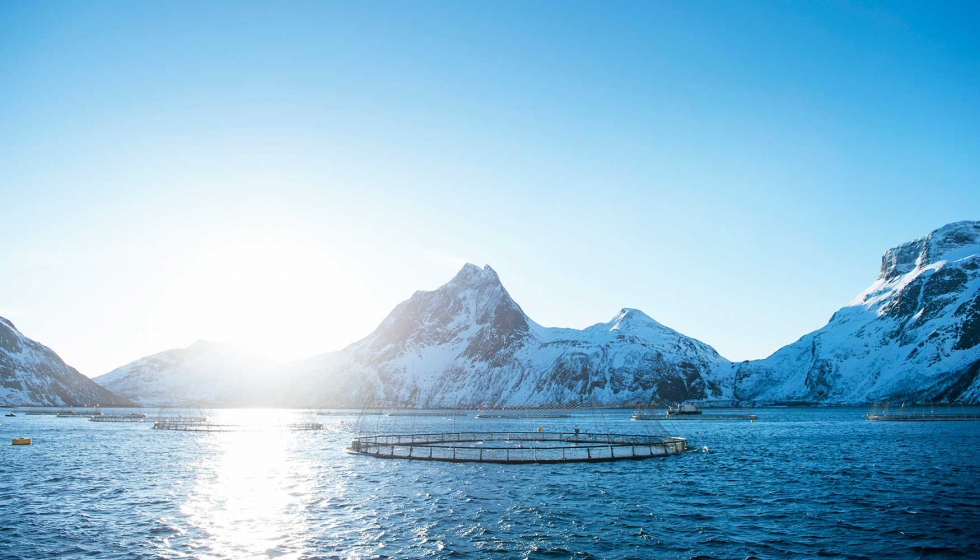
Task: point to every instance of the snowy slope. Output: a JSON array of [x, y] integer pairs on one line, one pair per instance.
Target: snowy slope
[[466, 341], [913, 335], [32, 374], [469, 342], [203, 374]]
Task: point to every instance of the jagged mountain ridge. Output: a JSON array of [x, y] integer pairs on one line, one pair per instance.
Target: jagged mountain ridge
[[470, 342], [31, 374], [467, 341], [913, 335]]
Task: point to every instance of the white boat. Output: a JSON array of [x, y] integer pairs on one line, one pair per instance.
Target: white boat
[[682, 410]]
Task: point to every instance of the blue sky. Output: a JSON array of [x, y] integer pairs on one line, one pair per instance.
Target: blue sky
[[280, 175]]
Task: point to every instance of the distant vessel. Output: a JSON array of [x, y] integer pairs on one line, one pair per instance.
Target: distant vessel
[[10, 415], [687, 411], [20, 441], [682, 410]]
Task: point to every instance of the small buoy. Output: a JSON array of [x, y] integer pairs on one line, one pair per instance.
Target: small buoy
[[704, 449], [540, 429], [20, 441]]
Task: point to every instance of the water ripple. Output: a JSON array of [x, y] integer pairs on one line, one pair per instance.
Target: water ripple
[[817, 482]]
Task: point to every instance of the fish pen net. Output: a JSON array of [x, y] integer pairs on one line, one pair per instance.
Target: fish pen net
[[524, 434], [518, 447]]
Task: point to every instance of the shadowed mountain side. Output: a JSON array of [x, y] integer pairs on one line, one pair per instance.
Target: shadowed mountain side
[[470, 342], [913, 335], [31, 374]]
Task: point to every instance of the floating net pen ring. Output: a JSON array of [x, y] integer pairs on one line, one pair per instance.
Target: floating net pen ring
[[518, 447]]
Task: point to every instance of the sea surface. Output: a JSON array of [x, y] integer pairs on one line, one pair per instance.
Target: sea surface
[[798, 482]]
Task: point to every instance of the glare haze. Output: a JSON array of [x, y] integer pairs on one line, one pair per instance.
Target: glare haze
[[280, 175]]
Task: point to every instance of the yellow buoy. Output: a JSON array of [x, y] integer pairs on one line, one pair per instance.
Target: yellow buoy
[[21, 441]]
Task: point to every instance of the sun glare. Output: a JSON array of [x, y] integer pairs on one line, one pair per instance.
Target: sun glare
[[254, 292], [248, 496]]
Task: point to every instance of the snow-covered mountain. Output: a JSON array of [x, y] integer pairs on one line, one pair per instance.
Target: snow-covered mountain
[[31, 374], [913, 335], [469, 342], [203, 374]]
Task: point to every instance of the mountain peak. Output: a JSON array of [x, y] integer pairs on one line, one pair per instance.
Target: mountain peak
[[7, 322], [629, 318], [472, 274], [951, 242], [467, 341], [630, 314], [473, 305]]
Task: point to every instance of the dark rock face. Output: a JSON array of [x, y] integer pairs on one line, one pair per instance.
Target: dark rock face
[[470, 342], [970, 330], [929, 249], [473, 297], [912, 335], [32, 375]]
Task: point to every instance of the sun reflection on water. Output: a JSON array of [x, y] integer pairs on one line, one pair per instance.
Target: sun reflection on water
[[251, 488]]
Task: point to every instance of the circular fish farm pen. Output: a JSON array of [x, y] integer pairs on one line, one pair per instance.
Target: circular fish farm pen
[[515, 447]]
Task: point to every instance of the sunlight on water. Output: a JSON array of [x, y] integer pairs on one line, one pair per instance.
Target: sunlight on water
[[797, 483], [249, 492]]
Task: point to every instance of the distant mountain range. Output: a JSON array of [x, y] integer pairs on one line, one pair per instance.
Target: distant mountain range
[[913, 335], [466, 342], [203, 374]]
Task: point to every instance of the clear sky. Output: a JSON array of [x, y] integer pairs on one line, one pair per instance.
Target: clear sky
[[279, 175]]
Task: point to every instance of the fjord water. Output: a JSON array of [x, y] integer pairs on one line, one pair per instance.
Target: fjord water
[[819, 481]]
